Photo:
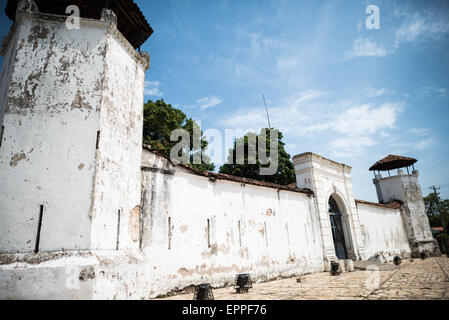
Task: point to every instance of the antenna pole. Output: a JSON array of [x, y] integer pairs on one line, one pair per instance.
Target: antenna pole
[[266, 109]]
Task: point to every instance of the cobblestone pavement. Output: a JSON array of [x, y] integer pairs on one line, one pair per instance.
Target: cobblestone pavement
[[416, 279]]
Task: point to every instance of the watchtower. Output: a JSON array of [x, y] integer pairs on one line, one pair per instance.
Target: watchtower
[[71, 109], [404, 186]]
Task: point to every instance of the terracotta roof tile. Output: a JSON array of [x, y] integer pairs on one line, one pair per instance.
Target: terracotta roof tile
[[221, 176], [392, 205], [130, 20], [392, 162]]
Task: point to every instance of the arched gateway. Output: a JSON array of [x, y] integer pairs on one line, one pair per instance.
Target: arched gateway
[[338, 232], [334, 199]]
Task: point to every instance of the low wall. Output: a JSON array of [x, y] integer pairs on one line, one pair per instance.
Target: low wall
[[73, 275], [384, 232], [196, 229]]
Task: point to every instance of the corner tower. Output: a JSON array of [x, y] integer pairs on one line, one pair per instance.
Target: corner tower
[[404, 186], [71, 113], [71, 102]]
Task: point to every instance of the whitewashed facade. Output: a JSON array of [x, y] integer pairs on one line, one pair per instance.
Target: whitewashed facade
[[86, 214]]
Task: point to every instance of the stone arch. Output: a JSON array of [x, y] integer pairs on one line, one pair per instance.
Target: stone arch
[[340, 225]]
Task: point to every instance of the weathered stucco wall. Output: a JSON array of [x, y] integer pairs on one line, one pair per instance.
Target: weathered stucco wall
[[65, 88], [51, 118], [384, 233], [197, 230], [117, 182], [71, 103], [73, 275], [406, 188]]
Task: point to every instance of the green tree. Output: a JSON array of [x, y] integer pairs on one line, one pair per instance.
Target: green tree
[[160, 120], [432, 210], [285, 173]]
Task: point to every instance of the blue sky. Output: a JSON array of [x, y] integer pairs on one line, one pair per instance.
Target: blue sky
[[333, 86]]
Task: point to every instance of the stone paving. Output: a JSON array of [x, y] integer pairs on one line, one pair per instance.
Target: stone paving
[[414, 279]]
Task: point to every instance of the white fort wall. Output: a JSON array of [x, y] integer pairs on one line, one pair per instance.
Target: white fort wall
[[198, 230], [125, 225], [62, 87], [53, 80], [73, 117], [384, 232], [117, 181]]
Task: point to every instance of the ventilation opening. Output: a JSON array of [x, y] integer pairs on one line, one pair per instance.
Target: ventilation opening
[[208, 233], [39, 227], [1, 135], [266, 235], [240, 233], [98, 140], [169, 233], [118, 230]]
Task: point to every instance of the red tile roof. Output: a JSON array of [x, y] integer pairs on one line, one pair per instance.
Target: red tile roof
[[130, 20], [222, 176], [392, 205], [392, 162]]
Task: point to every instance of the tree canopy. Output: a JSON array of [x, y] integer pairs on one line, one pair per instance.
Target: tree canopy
[[250, 165], [432, 210], [160, 120]]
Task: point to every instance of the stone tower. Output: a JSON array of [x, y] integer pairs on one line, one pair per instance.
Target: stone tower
[[71, 109], [405, 187]]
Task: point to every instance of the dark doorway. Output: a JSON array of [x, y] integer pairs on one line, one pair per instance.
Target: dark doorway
[[337, 230]]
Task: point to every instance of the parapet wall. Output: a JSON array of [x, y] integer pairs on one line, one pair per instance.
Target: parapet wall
[[383, 231], [197, 229]]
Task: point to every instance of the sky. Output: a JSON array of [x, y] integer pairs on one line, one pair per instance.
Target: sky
[[333, 86]]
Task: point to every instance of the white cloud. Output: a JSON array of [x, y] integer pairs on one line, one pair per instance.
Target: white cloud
[[364, 47], [413, 145], [361, 120], [351, 127], [423, 144], [308, 96], [287, 116], [350, 147], [152, 88], [420, 131], [287, 63], [372, 93], [425, 25], [208, 102], [434, 92], [302, 115], [422, 26]]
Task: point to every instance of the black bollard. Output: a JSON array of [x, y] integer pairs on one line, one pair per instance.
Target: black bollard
[[243, 283], [203, 292]]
